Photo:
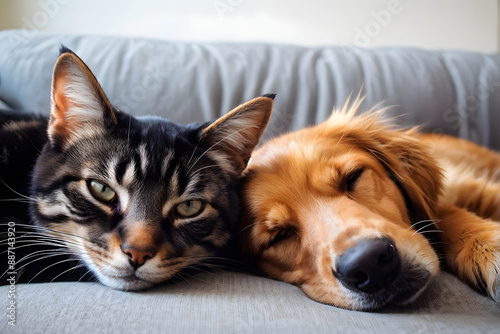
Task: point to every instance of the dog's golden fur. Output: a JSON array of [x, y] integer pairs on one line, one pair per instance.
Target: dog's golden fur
[[312, 195]]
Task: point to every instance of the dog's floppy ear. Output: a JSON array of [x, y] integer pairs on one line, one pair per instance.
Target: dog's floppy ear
[[238, 132], [412, 166], [409, 162], [79, 107]]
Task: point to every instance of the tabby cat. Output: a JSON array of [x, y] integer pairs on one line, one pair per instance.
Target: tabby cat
[[129, 201]]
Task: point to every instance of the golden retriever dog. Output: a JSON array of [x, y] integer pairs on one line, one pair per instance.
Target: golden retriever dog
[[359, 213]]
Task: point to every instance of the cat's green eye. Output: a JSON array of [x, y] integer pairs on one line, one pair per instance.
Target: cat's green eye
[[190, 208], [102, 191]]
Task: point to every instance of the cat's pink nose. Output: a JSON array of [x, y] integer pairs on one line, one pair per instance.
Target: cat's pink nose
[[138, 256]]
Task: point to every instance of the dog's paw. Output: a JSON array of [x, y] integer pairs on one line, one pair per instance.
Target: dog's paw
[[496, 292], [478, 262], [492, 279], [491, 270], [487, 271]]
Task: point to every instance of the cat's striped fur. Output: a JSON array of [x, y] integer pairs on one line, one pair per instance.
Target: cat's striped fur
[[131, 201]]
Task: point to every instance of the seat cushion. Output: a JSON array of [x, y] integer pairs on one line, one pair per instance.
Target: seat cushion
[[230, 302]]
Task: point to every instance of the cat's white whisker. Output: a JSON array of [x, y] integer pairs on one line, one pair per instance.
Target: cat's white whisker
[[82, 276], [28, 243], [205, 167], [47, 229], [50, 266], [19, 200], [45, 254], [214, 145], [17, 193], [38, 252], [68, 270], [188, 163]]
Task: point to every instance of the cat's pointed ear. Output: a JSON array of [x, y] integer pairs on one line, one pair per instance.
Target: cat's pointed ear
[[238, 132], [79, 108]]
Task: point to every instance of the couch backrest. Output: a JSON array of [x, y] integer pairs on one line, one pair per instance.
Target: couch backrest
[[449, 91]]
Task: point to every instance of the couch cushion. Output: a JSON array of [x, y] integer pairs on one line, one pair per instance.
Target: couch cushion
[[452, 92], [238, 303]]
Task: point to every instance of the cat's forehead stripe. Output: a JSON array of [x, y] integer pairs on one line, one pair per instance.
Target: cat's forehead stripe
[[129, 175], [174, 183], [167, 160], [55, 204], [143, 154], [192, 186], [121, 168], [167, 207], [111, 168]]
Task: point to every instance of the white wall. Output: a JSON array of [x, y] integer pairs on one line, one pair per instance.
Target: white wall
[[433, 24], [498, 26]]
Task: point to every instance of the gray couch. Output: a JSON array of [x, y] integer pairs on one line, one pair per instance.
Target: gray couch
[[451, 92]]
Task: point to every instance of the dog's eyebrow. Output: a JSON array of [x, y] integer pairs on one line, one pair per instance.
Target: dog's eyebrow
[[345, 170]]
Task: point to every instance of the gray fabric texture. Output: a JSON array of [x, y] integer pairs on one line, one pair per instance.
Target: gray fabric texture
[[239, 303], [448, 91]]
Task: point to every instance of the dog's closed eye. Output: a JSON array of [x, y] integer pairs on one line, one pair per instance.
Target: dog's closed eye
[[281, 235], [352, 179], [279, 225]]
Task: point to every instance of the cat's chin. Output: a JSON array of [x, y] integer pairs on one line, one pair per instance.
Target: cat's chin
[[128, 283]]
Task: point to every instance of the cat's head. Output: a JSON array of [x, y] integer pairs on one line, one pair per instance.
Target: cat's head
[[138, 200]]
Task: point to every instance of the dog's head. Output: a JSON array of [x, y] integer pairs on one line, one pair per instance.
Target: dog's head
[[342, 210]]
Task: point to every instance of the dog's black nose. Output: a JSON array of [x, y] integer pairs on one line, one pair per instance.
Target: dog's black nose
[[369, 266]]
